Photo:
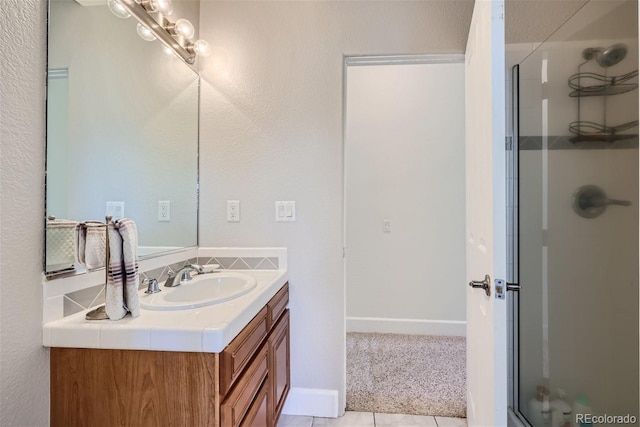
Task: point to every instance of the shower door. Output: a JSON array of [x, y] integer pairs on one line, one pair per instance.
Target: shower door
[[576, 329]]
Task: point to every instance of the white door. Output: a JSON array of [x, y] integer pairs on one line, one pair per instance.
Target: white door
[[486, 215]]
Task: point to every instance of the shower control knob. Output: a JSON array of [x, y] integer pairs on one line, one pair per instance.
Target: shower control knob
[[590, 201]]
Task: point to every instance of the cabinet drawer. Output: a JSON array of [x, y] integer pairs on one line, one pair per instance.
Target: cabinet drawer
[[238, 353], [277, 305], [246, 390], [258, 415]]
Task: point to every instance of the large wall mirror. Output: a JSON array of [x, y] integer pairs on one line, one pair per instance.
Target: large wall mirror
[[122, 133]]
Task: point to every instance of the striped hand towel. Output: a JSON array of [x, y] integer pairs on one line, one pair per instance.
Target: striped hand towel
[[122, 286]]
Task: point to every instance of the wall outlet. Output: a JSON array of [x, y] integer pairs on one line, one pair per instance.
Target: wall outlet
[[164, 210], [115, 209], [233, 210]]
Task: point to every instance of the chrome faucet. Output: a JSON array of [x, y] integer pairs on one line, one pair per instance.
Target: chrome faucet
[[184, 274]]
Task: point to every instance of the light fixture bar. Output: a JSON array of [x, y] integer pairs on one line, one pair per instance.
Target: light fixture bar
[[139, 12]]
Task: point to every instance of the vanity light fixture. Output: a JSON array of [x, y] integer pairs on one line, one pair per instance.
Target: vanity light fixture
[[118, 9], [162, 29], [182, 27], [200, 48], [145, 33], [165, 7]]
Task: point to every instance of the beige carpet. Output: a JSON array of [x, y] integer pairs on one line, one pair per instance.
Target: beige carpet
[[406, 374]]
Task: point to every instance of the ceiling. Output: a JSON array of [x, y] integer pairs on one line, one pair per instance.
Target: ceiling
[[532, 21]]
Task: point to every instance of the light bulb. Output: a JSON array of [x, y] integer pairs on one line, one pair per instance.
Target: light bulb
[[202, 48], [165, 7], [145, 33], [184, 28], [118, 9]]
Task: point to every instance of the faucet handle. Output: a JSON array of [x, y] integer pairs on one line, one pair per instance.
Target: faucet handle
[[153, 287], [197, 267]]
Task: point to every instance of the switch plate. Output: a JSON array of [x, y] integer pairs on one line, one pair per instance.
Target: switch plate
[[386, 226], [286, 211], [164, 210], [233, 210], [115, 209]]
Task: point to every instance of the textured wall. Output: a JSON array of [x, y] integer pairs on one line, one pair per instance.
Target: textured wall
[[404, 154], [271, 129], [24, 363]]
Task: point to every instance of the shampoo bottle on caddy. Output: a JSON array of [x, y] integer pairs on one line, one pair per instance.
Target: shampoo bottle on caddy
[[561, 411], [540, 408]]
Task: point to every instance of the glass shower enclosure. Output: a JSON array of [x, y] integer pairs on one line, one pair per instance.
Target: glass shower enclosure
[[575, 331]]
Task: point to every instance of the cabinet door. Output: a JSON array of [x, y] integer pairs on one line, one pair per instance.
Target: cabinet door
[[279, 366]]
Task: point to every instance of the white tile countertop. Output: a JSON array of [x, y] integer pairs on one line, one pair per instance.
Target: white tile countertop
[[206, 329]]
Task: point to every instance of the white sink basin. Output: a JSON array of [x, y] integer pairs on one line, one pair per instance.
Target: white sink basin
[[201, 291]]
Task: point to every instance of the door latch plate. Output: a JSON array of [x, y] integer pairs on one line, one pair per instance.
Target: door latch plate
[[501, 288]]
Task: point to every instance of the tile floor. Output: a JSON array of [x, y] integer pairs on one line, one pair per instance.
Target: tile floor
[[370, 419]]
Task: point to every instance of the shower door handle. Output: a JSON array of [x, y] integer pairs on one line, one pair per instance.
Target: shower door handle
[[482, 284]]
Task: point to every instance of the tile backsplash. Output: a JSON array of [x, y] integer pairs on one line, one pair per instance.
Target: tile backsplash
[[92, 295], [563, 142]]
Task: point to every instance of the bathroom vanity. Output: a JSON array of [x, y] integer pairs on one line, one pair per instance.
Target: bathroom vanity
[[160, 374]]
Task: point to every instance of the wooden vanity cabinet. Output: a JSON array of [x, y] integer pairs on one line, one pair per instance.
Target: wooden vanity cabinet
[[279, 366], [243, 386], [243, 401], [252, 399], [236, 356]]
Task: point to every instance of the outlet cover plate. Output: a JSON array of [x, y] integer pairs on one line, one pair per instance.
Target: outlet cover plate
[[233, 210], [164, 210]]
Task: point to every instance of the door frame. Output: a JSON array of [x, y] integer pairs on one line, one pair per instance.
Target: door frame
[[356, 61]]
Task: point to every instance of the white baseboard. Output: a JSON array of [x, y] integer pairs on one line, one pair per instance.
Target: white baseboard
[[407, 326], [312, 402]]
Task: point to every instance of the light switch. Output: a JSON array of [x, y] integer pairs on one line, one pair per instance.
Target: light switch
[[115, 209], [286, 211], [386, 226], [233, 210]]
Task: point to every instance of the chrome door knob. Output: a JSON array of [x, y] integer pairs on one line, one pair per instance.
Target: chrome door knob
[[482, 284]]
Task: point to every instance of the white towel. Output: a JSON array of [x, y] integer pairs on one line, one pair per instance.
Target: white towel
[[122, 286], [60, 242], [90, 241]]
